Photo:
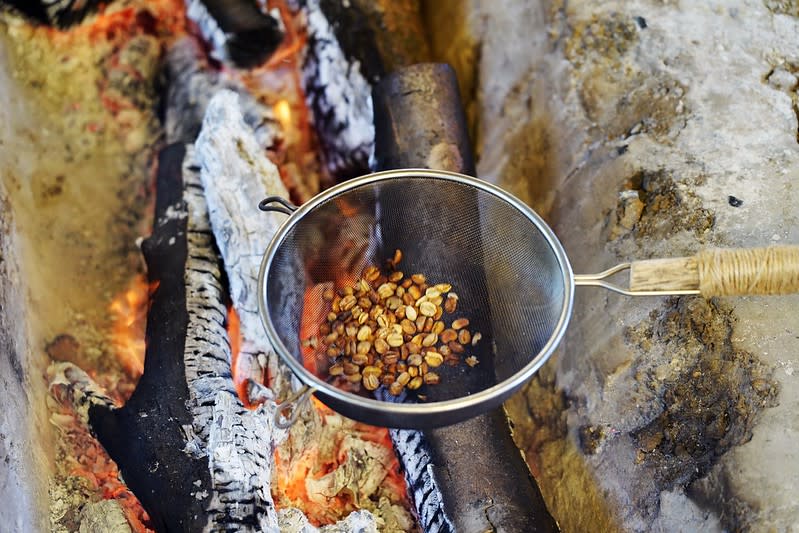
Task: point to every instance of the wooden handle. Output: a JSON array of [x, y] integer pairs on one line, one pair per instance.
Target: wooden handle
[[719, 272]]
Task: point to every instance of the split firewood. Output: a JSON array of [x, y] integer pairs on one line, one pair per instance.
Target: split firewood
[[236, 175], [191, 84]]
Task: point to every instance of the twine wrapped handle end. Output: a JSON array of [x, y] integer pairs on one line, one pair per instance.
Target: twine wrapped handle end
[[722, 272]]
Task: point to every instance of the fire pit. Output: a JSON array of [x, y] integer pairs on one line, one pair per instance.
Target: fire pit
[[184, 408], [136, 139]]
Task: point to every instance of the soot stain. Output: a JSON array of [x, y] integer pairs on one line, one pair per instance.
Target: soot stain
[[710, 392]]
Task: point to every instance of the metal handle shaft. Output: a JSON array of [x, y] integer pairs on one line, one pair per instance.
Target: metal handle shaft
[[712, 272]]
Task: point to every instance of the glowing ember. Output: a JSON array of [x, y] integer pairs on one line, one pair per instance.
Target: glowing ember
[[129, 312], [89, 462], [239, 372], [350, 466], [283, 113]]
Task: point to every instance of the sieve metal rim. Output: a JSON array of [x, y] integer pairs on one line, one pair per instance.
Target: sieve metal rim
[[502, 389]]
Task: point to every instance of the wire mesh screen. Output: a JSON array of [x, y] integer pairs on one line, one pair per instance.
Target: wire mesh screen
[[507, 277]]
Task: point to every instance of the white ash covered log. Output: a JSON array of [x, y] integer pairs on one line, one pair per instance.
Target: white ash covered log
[[236, 175], [351, 44], [192, 81], [338, 93]]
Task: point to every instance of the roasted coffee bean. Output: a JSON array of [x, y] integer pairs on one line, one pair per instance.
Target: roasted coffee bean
[[371, 382], [448, 335], [387, 329], [415, 383], [360, 358], [456, 347], [395, 340], [415, 359], [460, 323], [431, 378], [381, 346], [433, 358], [451, 304]]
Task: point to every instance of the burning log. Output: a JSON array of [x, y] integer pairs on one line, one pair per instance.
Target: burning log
[[348, 50], [147, 437], [185, 444], [192, 81], [338, 93], [235, 173], [238, 32]]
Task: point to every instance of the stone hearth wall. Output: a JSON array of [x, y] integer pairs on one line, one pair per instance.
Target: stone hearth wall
[[24, 430], [646, 129], [73, 188]]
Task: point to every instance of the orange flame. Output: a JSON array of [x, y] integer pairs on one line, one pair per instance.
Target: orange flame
[[283, 113], [239, 367], [129, 312]]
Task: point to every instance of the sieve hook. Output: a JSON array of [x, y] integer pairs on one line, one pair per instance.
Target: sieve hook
[[284, 206], [294, 405]]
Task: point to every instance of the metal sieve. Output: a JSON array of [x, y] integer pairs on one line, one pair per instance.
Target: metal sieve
[[510, 271]]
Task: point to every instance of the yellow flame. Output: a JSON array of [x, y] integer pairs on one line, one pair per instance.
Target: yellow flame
[[129, 312], [283, 113]]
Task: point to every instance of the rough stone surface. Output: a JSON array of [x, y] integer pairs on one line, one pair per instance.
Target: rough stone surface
[[105, 516], [71, 195], [644, 129]]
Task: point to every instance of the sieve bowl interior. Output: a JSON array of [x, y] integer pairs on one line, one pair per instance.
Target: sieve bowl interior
[[511, 275]]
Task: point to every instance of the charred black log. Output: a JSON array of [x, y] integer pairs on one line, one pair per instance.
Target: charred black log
[[147, 437], [238, 31], [60, 13], [484, 482]]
